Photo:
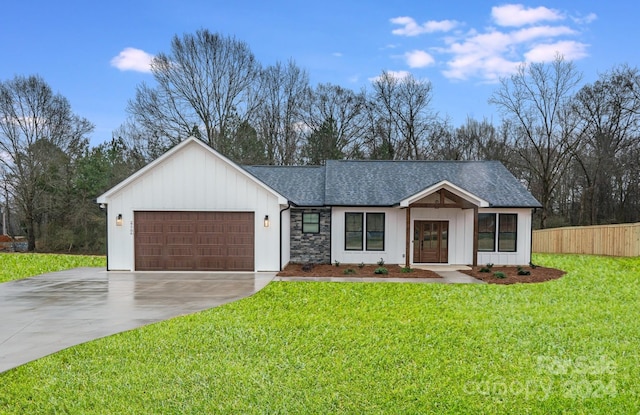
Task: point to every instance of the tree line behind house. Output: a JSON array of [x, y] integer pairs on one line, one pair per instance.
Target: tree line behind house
[[575, 146]]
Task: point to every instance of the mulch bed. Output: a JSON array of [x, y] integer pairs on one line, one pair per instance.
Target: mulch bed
[[538, 274], [327, 270]]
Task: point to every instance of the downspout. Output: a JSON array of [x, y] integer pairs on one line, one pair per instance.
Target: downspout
[[330, 235], [104, 206], [280, 248], [531, 264]]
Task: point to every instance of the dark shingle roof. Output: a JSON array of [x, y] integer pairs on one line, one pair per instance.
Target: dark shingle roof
[[301, 185], [386, 183]]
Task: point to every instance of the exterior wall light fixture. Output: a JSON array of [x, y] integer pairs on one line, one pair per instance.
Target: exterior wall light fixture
[[266, 221], [119, 219]]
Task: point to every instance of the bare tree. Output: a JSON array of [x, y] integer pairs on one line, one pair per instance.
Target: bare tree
[[480, 140], [335, 114], [537, 102], [142, 147], [609, 114], [402, 107], [33, 118], [204, 84], [445, 143], [379, 142], [284, 90]]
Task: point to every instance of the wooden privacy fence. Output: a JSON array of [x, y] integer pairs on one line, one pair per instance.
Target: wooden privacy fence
[[613, 240]]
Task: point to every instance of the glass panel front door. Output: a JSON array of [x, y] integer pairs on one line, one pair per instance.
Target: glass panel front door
[[431, 241]]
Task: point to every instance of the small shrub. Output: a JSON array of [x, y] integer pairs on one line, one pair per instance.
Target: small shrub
[[522, 271], [307, 267], [381, 262], [349, 271], [486, 268], [336, 263], [381, 270], [499, 274], [406, 270], [361, 265]]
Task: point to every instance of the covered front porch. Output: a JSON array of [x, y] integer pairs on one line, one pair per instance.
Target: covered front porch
[[442, 227]]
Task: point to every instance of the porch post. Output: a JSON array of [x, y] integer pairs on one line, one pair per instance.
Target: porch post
[[407, 236], [475, 235]]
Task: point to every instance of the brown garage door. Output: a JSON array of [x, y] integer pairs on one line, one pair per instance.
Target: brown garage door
[[194, 241]]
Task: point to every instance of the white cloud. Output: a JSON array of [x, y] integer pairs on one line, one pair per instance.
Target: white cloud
[[547, 52], [419, 59], [540, 32], [411, 28], [301, 127], [481, 44], [6, 158], [394, 74], [337, 54], [496, 54], [520, 35], [490, 68], [132, 59], [585, 19], [517, 15]]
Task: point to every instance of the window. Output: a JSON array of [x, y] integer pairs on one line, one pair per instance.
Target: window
[[375, 231], [507, 227], [507, 233], [310, 222], [487, 232], [353, 231], [354, 236]]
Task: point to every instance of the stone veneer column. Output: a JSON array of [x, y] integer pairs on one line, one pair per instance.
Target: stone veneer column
[[311, 247]]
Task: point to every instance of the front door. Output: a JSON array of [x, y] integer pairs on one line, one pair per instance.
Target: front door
[[431, 241]]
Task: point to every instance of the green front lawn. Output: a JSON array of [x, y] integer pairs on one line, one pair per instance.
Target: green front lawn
[[16, 266], [566, 346]]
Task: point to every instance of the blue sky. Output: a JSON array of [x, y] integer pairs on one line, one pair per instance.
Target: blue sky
[[95, 53]]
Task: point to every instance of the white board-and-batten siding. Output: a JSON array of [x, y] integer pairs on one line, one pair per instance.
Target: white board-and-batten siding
[[460, 235], [192, 179], [522, 256], [460, 238]]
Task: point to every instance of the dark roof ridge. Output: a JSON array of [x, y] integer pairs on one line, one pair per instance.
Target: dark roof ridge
[[413, 161], [282, 165]]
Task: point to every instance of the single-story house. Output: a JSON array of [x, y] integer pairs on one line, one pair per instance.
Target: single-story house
[[194, 209]]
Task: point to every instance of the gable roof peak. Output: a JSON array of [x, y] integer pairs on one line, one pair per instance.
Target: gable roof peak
[[187, 142]]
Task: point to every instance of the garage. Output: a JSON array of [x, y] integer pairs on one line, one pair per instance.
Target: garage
[[194, 241], [193, 209]]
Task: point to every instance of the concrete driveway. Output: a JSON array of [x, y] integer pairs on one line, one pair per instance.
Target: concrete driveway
[[45, 314]]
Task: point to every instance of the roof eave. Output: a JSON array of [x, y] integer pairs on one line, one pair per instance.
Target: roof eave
[[516, 206], [362, 205]]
